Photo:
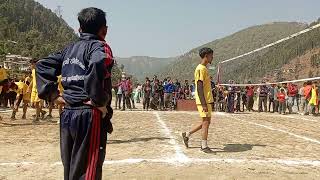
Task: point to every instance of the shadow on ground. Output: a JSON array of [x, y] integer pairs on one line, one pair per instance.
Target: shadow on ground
[[136, 140], [229, 148]]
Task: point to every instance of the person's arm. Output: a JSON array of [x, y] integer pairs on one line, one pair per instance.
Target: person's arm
[[201, 95], [47, 70], [94, 78], [30, 87]]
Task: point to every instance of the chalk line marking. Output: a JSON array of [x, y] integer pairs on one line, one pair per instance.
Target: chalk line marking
[[278, 116], [279, 130], [267, 161], [302, 118], [179, 155], [292, 117]]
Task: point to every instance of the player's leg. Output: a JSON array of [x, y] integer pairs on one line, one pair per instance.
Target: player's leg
[[37, 107], [16, 106], [41, 105], [148, 103], [49, 116], [205, 130], [25, 107]]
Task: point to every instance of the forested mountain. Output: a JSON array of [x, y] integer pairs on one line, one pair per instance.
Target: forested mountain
[[29, 29], [142, 66], [36, 30], [252, 67]]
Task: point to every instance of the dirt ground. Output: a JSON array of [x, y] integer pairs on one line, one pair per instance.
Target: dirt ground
[[148, 145]]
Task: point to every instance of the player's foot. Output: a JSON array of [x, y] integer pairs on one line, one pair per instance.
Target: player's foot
[[49, 116], [36, 121], [185, 139], [24, 117], [43, 113], [207, 150], [13, 117]]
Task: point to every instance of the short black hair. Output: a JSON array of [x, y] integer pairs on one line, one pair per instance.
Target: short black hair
[[205, 51], [33, 61], [91, 20]]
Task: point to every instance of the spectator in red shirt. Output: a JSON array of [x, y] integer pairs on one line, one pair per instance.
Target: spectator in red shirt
[[292, 94], [250, 95], [282, 101], [130, 91]]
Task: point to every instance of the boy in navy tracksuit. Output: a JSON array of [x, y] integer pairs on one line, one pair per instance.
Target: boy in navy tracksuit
[[85, 67]]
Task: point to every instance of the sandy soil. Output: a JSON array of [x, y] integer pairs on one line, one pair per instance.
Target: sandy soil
[[147, 145]]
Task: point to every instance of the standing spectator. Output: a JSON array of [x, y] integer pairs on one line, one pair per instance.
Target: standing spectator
[[130, 94], [161, 94], [139, 91], [244, 99], [307, 95], [146, 89], [303, 104], [275, 98], [186, 90], [292, 93], [119, 95], [85, 120], [238, 99], [282, 101], [271, 98], [263, 93], [155, 103], [192, 89], [231, 97], [124, 89], [250, 95], [116, 90], [168, 94], [314, 99], [298, 98]]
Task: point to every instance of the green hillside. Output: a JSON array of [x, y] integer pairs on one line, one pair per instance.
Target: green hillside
[[142, 66], [36, 30], [233, 45]]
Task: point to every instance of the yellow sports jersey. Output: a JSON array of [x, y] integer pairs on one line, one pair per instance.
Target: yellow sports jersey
[[34, 81], [313, 100], [22, 87], [23, 90], [60, 87], [201, 74], [3, 74]]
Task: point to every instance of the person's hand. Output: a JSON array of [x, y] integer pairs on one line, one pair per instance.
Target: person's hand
[[60, 101], [205, 108], [103, 109]]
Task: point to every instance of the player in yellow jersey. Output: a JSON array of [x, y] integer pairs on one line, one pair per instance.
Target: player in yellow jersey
[[35, 100], [3, 74], [204, 99], [22, 96], [60, 106]]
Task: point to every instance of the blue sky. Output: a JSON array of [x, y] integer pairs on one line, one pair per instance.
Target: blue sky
[[165, 28]]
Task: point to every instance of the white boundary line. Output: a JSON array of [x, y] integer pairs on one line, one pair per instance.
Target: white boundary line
[[279, 130], [285, 116], [179, 155], [302, 118], [268, 161]]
